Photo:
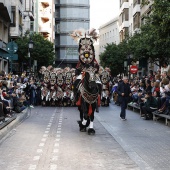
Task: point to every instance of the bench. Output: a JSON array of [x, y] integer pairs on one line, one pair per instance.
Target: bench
[[156, 116], [134, 107]]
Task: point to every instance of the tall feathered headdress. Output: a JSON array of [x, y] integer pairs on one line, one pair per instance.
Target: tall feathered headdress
[[81, 33]]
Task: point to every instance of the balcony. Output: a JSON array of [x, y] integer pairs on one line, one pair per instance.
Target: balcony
[[136, 2], [124, 24], [44, 19], [124, 5], [136, 9], [44, 28], [45, 4], [45, 12], [4, 12]]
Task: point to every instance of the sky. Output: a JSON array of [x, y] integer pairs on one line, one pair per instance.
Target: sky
[[102, 11]]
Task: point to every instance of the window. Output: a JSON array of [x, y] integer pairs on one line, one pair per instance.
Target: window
[[13, 16]]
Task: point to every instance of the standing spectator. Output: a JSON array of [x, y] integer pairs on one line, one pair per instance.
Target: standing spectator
[[32, 92], [124, 93], [165, 67]]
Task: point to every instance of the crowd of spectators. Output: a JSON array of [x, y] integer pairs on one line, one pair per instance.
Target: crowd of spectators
[[17, 93], [151, 93]]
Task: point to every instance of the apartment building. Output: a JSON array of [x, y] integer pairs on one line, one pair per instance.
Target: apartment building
[[132, 16], [129, 17], [5, 20], [44, 19], [69, 16], [22, 13], [109, 33], [146, 10]]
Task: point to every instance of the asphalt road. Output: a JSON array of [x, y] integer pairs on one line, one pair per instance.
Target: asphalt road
[[49, 139]]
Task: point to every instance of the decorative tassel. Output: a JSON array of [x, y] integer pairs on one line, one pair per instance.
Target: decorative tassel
[[90, 110], [78, 103], [99, 101]]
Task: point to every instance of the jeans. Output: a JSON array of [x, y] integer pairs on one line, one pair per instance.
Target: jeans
[[23, 108]]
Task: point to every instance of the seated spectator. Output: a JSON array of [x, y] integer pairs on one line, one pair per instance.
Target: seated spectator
[[134, 91], [5, 107], [150, 105], [155, 86], [165, 107], [23, 99], [21, 103]]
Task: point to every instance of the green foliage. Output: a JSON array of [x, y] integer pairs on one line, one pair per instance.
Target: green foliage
[[113, 57], [42, 51], [152, 42]]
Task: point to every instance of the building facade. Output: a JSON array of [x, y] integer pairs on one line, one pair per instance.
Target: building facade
[[44, 20], [129, 17], [5, 20], [109, 33], [69, 16]]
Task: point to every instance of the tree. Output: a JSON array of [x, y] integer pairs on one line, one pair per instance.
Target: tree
[[113, 58], [43, 50], [153, 42]]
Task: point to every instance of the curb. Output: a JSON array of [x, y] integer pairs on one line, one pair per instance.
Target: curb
[[19, 118]]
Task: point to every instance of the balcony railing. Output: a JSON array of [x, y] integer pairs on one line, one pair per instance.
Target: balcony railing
[[136, 3]]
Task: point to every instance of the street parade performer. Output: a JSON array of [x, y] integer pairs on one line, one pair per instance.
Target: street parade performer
[[87, 85]]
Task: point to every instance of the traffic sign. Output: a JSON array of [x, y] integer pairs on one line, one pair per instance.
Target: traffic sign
[[12, 47], [133, 69]]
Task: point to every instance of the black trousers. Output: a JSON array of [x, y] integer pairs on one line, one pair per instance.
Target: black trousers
[[1, 111], [147, 111], [123, 107]]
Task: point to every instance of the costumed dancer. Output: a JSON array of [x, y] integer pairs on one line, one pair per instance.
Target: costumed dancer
[[85, 86]]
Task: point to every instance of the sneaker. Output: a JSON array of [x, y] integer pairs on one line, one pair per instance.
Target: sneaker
[[123, 119], [31, 106]]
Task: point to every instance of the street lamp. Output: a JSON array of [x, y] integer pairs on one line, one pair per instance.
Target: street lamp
[[30, 46]]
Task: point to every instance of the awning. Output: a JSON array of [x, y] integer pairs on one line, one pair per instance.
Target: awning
[[4, 12], [3, 53]]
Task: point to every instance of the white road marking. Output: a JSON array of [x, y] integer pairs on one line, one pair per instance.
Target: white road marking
[[41, 144], [32, 167], [56, 144], [43, 139], [53, 167], [54, 158], [39, 150], [55, 150], [58, 136], [36, 158]]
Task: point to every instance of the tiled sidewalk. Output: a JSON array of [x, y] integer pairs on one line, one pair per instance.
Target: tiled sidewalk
[[147, 142]]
